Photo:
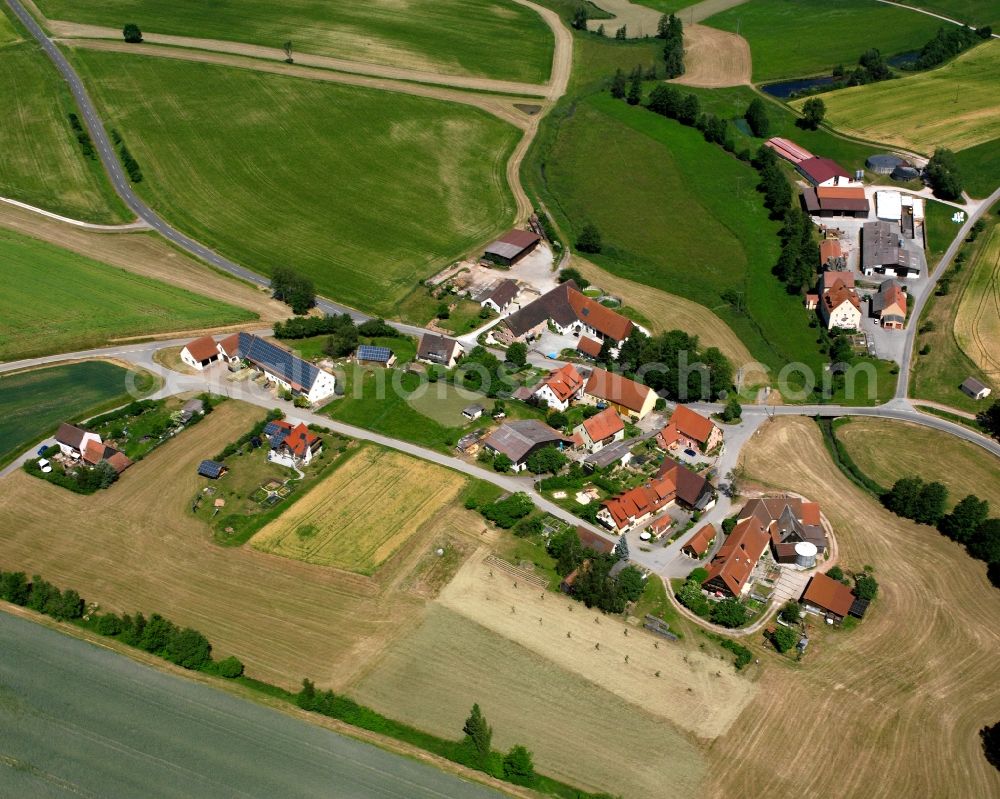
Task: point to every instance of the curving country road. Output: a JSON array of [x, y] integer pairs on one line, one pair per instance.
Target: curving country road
[[78, 720]]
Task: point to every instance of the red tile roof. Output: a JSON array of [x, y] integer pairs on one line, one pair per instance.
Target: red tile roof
[[617, 389], [520, 238], [564, 382], [826, 593], [700, 541], [830, 248], [839, 294], [641, 500], [603, 425], [820, 170], [734, 562], [594, 541], [588, 346], [93, 453], [691, 424], [203, 348], [690, 486], [832, 277], [299, 439], [231, 344], [603, 320]]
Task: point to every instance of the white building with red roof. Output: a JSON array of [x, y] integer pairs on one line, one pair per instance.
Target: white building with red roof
[[561, 388], [200, 353], [291, 445], [600, 430], [688, 429]]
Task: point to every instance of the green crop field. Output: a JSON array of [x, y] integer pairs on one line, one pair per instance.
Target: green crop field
[[494, 38], [971, 12], [955, 106], [40, 159], [980, 168], [808, 37], [675, 213], [57, 301], [365, 191], [34, 403]]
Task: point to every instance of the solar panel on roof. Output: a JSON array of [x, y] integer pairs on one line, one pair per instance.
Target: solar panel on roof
[[369, 352]]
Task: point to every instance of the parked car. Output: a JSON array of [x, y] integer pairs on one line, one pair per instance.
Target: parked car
[[691, 453], [44, 465], [41, 449]]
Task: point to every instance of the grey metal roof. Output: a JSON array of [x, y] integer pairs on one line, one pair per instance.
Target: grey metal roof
[[370, 352], [503, 249], [517, 439], [880, 247], [278, 361]]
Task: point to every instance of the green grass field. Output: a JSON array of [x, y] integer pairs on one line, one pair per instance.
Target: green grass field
[[980, 167], [808, 37], [57, 301], [676, 213], [954, 106], [41, 162], [35, 403], [365, 191], [457, 37], [939, 230], [971, 12]]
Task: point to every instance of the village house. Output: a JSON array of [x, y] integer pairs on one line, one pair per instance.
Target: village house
[[200, 353], [561, 388], [672, 484], [569, 312], [291, 445], [439, 350], [279, 365], [588, 347], [889, 305], [519, 439], [832, 255], [787, 521], [511, 247], [632, 400], [600, 430], [501, 297], [95, 452], [688, 429], [882, 251], [827, 597], [839, 304], [698, 545], [73, 440], [975, 388], [729, 571]]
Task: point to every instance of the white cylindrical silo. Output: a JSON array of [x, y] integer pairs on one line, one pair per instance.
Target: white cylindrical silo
[[805, 554]]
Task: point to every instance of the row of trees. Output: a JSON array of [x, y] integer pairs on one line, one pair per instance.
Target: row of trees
[[182, 646], [294, 289], [86, 144], [594, 585], [671, 30], [129, 163], [968, 523], [948, 42]]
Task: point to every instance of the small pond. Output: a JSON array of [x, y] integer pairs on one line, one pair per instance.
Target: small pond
[[787, 88]]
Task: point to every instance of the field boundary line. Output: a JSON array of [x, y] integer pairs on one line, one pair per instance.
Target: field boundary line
[[138, 224], [516, 571]]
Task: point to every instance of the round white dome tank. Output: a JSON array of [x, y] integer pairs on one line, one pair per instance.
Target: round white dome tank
[[805, 554]]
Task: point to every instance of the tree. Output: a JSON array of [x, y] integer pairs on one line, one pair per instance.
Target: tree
[[665, 100], [518, 766], [663, 27], [673, 48], [931, 503], [589, 239], [729, 613], [943, 174], [902, 498], [813, 112], [579, 18], [572, 273], [478, 734], [790, 612], [630, 583], [991, 744], [688, 109], [156, 634], [230, 668], [865, 586], [965, 517], [294, 289], [635, 90], [287, 47], [189, 649], [343, 337], [546, 459], [517, 353], [621, 548], [618, 84], [989, 419], [757, 119], [306, 698], [691, 597], [604, 354], [132, 33], [985, 542], [733, 410], [784, 638], [841, 350], [557, 419], [567, 550], [835, 573], [502, 463]]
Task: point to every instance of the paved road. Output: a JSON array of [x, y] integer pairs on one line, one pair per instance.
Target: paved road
[[903, 383], [928, 13], [79, 720]]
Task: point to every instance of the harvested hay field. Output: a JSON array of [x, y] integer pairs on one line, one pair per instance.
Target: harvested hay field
[[137, 547], [956, 105], [670, 312], [362, 513], [714, 59], [977, 323], [148, 255], [906, 692], [887, 450], [696, 692], [579, 732]]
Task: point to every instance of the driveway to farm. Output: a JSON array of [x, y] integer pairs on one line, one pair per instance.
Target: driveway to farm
[[77, 721]]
